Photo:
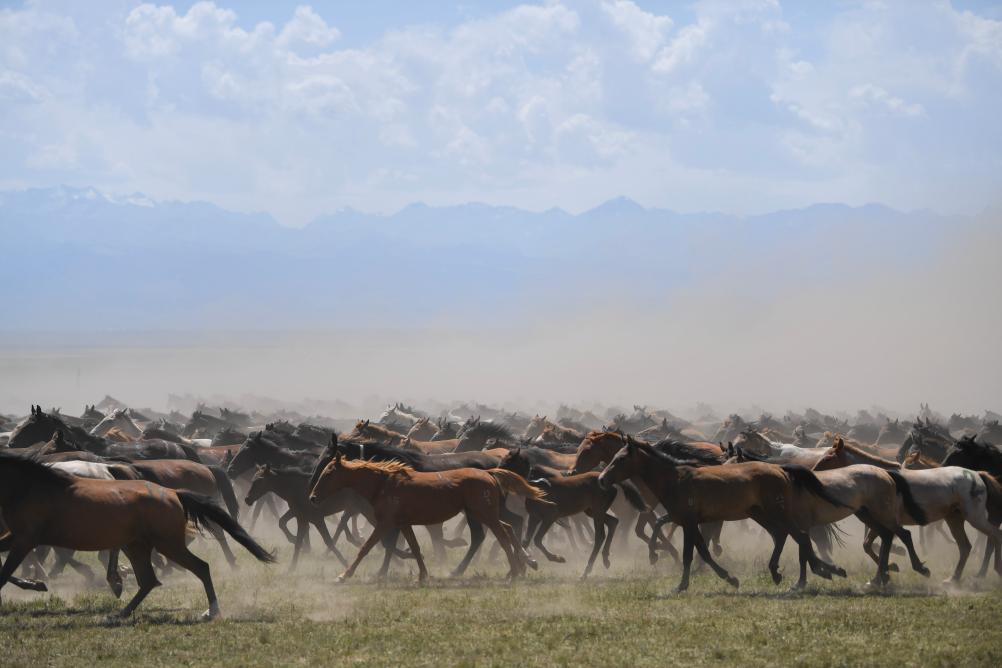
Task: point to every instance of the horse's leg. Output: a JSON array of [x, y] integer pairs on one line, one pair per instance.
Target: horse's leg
[[476, 539], [437, 540], [822, 541], [665, 539], [979, 519], [597, 519], [258, 507], [530, 531], [868, 541], [956, 525], [342, 526], [186, 559], [321, 525], [906, 538], [511, 518], [643, 520], [302, 528], [390, 542], [139, 556], [18, 551], [378, 532], [611, 523], [704, 552], [778, 543], [220, 537], [688, 542], [537, 540], [356, 537], [112, 576], [283, 525], [712, 535], [411, 539]]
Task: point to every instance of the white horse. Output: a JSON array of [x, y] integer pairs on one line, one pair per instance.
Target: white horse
[[396, 413], [949, 493], [117, 420], [94, 470], [778, 453]]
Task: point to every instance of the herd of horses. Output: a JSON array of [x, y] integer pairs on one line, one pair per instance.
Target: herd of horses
[[142, 483]]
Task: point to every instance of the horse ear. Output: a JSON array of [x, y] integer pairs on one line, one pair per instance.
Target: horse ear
[[337, 457], [839, 444], [58, 436], [334, 440]]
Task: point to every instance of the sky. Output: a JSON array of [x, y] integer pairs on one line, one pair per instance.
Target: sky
[[300, 110]]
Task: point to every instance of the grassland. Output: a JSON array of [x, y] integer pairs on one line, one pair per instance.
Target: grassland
[[623, 617]]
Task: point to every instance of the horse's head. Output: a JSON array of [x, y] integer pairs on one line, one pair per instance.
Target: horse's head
[[624, 464], [246, 456], [516, 461], [329, 479], [38, 427], [262, 483], [597, 448], [834, 458]]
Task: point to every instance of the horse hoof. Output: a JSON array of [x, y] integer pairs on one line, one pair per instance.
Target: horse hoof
[[777, 577], [679, 589], [211, 614], [558, 559], [606, 563], [116, 589], [893, 568], [532, 563], [342, 578], [733, 581], [840, 572], [797, 588], [925, 572]]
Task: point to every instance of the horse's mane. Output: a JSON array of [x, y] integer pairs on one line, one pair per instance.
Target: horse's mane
[[390, 467], [869, 456], [665, 457], [688, 452], [491, 430], [32, 468], [386, 452], [293, 470]]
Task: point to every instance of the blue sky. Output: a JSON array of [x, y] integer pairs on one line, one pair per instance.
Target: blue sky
[[299, 110]]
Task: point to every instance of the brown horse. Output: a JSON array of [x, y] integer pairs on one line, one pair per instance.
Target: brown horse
[[366, 430], [42, 506], [555, 433], [567, 496], [599, 447], [403, 497], [423, 430], [764, 493]]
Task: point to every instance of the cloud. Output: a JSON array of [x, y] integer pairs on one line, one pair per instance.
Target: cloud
[[734, 106]]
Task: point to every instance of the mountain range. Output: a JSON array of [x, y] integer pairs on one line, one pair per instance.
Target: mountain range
[[76, 259]]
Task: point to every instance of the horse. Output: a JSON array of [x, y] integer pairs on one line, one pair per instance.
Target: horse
[[479, 435], [558, 434], [291, 485], [777, 453], [570, 495], [117, 420], [403, 497], [40, 426], [400, 414], [972, 453], [930, 439], [445, 430], [43, 506], [423, 430], [692, 496], [948, 493], [204, 425], [892, 433]]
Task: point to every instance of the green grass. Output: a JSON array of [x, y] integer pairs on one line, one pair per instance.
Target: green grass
[[625, 618]]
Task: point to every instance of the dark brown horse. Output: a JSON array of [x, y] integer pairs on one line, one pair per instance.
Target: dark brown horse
[[567, 496], [693, 495], [42, 506]]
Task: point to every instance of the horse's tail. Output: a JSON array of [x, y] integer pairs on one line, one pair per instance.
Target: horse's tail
[[513, 482], [805, 478], [225, 488], [200, 509], [633, 495], [835, 534], [907, 498], [994, 488]]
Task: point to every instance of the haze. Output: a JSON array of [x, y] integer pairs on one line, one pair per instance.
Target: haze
[[220, 201]]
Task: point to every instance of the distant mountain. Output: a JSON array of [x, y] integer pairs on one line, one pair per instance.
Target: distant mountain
[[78, 259]]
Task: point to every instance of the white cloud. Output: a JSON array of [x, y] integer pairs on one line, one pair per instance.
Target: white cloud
[[646, 31], [738, 106]]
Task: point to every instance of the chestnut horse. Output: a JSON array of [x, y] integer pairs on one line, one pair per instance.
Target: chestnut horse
[[403, 497], [43, 506]]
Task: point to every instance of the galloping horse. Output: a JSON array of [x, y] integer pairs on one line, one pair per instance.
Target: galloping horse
[[43, 506], [764, 493], [403, 497]]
